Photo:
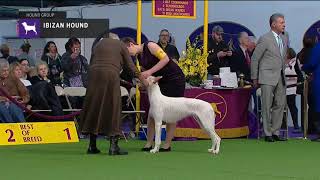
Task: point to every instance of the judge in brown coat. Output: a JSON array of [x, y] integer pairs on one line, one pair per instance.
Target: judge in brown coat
[[102, 105]]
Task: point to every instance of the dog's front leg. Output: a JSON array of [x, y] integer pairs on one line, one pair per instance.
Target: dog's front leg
[[158, 136]]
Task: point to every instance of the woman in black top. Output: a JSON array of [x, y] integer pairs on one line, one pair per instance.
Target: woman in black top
[[53, 59]]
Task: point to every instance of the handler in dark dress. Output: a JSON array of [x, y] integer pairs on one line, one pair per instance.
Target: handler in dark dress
[[172, 84], [102, 105]]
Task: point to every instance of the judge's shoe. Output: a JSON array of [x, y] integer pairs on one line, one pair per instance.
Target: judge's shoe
[[114, 148], [268, 139], [277, 138]]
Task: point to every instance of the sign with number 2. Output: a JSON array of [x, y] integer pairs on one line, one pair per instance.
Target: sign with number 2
[[38, 133]]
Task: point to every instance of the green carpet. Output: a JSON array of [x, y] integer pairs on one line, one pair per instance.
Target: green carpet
[[239, 159]]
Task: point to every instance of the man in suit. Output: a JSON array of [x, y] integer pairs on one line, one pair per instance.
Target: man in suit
[[241, 62], [267, 70]]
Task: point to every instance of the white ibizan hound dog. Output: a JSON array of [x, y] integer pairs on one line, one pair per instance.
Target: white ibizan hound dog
[[28, 28], [171, 110]]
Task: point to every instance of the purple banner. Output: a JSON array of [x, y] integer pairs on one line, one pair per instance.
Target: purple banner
[[174, 8], [230, 106]]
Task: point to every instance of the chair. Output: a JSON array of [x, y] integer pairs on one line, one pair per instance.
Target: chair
[[284, 126], [60, 92], [65, 92], [74, 92], [125, 93]]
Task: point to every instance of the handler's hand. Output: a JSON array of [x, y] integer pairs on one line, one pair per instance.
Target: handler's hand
[[146, 74]]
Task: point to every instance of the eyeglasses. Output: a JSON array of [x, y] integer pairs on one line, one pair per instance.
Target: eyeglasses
[[164, 35], [24, 64]]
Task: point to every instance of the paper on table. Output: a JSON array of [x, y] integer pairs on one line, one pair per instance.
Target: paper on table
[[229, 79], [224, 70]]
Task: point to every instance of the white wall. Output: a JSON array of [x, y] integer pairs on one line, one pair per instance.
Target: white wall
[[7, 29]]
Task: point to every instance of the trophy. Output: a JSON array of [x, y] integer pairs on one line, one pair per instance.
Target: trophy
[[241, 81]]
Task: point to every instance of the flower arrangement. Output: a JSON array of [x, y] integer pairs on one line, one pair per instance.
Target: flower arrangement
[[193, 63]]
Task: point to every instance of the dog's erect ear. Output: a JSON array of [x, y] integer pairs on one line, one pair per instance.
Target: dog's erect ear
[[156, 79]]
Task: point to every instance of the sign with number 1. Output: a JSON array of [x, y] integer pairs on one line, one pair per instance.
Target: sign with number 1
[[38, 133]]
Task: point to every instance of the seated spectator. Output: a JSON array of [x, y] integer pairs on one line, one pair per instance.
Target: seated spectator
[[241, 59], [74, 65], [25, 48], [170, 49], [9, 112], [42, 74], [53, 59], [25, 69], [5, 51], [42, 93]]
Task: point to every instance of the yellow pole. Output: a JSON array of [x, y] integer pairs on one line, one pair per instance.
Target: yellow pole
[[205, 30], [139, 15]]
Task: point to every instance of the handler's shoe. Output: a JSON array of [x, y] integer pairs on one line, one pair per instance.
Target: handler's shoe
[[114, 148], [93, 150]]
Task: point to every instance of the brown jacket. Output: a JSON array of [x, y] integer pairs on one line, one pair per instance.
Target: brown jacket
[[14, 87], [102, 105]]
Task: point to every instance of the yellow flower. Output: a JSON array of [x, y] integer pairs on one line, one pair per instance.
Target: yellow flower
[[188, 61], [192, 70], [185, 72], [193, 62]]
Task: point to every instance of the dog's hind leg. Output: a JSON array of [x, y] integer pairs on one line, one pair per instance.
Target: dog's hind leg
[[215, 141], [157, 143], [206, 120]]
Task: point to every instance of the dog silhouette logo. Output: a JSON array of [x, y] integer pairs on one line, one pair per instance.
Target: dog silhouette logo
[[29, 28], [218, 103], [216, 109]]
